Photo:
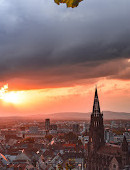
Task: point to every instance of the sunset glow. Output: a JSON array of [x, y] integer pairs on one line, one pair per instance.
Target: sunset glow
[[14, 97], [78, 98]]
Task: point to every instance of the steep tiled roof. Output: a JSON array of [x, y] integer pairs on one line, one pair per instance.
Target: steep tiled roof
[[110, 150]]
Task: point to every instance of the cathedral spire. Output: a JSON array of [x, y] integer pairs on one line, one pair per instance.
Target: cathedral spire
[[96, 106], [96, 129]]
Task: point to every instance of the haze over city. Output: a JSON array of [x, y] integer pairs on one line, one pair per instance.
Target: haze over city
[[52, 57]]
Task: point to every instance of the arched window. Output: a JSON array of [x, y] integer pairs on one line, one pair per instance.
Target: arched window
[[114, 167]]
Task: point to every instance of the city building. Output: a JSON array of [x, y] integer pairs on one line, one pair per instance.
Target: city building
[[33, 129], [53, 127], [76, 128], [103, 156], [47, 124], [108, 135]]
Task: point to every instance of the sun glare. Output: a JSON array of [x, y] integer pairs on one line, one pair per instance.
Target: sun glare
[[14, 97]]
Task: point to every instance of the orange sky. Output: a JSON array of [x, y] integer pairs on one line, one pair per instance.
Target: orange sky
[[114, 95]]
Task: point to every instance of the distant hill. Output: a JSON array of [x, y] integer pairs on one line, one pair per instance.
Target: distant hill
[[108, 115], [116, 115]]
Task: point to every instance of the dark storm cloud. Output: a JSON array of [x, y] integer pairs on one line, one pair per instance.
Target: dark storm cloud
[[51, 44]]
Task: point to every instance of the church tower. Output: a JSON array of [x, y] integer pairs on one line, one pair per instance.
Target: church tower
[[101, 156], [96, 129]]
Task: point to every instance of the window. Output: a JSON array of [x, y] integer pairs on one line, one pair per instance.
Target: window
[[114, 167]]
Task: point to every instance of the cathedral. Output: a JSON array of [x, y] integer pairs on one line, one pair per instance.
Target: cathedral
[[103, 156]]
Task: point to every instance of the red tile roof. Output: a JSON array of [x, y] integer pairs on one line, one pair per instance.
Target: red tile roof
[[69, 145]]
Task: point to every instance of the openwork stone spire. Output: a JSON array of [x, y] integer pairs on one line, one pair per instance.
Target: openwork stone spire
[[96, 129], [96, 105]]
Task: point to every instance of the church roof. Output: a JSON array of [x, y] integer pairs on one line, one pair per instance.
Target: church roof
[[110, 149]]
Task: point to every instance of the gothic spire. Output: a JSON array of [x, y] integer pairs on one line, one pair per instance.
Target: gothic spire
[[96, 106], [96, 129]]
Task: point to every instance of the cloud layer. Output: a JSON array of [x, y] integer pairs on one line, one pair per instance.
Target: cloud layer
[[42, 44]]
